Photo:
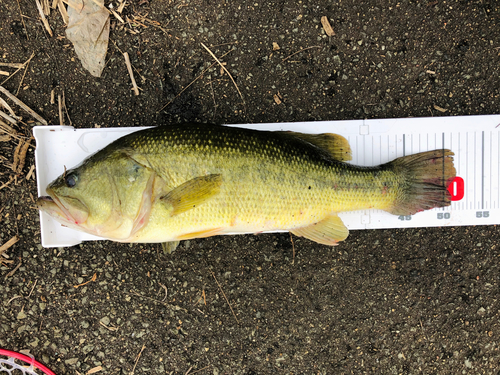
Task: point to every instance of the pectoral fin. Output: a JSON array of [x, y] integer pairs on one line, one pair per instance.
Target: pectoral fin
[[192, 193], [328, 231]]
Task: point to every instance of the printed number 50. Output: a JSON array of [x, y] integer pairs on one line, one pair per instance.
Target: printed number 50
[[443, 215]]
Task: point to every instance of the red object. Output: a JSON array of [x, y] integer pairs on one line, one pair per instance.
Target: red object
[[457, 188], [28, 360]]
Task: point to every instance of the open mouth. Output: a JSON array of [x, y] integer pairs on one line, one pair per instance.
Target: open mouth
[[54, 207]]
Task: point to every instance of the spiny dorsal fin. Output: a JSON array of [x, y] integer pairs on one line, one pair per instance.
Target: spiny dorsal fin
[[328, 231], [192, 193], [336, 145]]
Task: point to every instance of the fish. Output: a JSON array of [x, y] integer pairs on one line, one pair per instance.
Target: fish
[[176, 182]]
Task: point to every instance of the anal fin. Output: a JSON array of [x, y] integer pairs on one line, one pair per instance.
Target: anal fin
[[328, 231], [169, 247]]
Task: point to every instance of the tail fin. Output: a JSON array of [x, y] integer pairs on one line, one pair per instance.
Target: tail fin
[[426, 179]]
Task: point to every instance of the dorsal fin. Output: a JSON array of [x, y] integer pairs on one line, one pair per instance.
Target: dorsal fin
[[336, 145]]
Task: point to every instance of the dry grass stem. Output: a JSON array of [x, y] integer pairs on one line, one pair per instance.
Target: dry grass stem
[[302, 50], [8, 108], [131, 73], [12, 65], [54, 4], [137, 359], [227, 71], [59, 104], [224, 294], [22, 20], [42, 16], [4, 73], [18, 69], [7, 183], [63, 11], [8, 118], [11, 273], [22, 105], [46, 7], [326, 26], [8, 244]]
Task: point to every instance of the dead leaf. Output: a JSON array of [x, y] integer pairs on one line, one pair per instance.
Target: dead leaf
[[88, 30]]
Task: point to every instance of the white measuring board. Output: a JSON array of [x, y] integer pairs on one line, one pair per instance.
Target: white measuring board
[[475, 140]]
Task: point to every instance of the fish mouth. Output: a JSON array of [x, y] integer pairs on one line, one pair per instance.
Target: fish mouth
[[55, 208]]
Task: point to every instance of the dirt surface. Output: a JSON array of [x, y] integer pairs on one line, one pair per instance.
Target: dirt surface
[[383, 302]]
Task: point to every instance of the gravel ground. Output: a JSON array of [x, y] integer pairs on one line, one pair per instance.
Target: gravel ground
[[386, 301]]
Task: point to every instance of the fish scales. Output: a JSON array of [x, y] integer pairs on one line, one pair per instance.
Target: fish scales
[[270, 180], [200, 180]]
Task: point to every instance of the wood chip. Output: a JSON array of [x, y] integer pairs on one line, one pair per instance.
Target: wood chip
[[326, 26], [8, 244], [22, 105], [131, 73], [94, 370], [30, 173], [277, 98], [275, 46], [430, 72], [42, 16], [4, 73], [438, 108], [117, 16], [62, 10]]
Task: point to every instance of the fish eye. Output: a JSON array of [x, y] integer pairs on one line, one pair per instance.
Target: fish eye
[[71, 180]]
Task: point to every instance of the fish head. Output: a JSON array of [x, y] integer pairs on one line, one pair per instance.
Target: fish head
[[104, 196]]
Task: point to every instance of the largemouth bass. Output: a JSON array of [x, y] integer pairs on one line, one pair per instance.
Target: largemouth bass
[[178, 182]]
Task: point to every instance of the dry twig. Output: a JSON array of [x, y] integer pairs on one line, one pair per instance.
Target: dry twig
[[137, 359], [131, 73], [302, 50], [224, 294], [8, 244], [227, 71]]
